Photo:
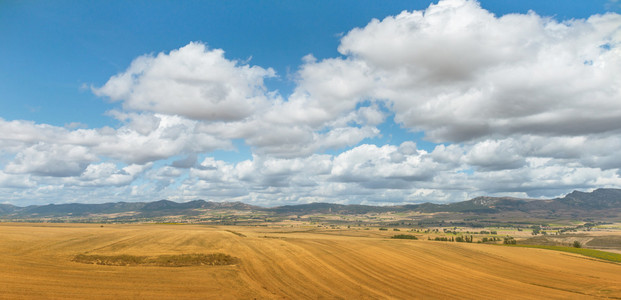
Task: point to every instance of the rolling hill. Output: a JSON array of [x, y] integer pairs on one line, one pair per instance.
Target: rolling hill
[[577, 203]]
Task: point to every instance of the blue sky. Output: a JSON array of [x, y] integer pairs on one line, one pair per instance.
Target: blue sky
[[395, 139]]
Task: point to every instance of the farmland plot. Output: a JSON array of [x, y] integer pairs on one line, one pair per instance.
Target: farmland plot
[[39, 261]]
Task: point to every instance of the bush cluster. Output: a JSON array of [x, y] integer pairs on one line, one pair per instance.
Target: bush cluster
[[404, 236]]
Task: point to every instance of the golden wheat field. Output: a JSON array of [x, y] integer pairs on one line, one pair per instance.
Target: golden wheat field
[[37, 263]]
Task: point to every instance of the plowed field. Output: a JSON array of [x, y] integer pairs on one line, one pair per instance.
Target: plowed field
[[36, 262]]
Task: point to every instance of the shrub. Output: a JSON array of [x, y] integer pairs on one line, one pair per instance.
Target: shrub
[[509, 241], [577, 244]]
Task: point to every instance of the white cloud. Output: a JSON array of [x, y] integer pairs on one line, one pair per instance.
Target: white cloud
[[192, 81], [144, 138], [326, 90], [163, 136], [384, 167], [495, 155], [458, 72], [51, 160], [105, 174], [339, 138], [15, 181]]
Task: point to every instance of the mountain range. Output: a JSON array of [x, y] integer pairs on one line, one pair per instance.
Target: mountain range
[[584, 204]]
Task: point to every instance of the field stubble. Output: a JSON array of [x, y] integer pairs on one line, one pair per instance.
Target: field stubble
[[37, 263]]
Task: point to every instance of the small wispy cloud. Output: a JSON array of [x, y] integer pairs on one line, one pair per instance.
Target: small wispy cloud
[[33, 109], [613, 5], [75, 125]]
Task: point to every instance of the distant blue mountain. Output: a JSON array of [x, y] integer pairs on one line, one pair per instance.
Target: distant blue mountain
[[575, 203]]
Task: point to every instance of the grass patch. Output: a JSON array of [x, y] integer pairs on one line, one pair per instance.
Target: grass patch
[[404, 237], [181, 260], [609, 256], [114, 260], [605, 241]]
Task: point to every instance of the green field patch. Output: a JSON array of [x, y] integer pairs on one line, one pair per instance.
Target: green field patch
[[609, 256], [181, 260]]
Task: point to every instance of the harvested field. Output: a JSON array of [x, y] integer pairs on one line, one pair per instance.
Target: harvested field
[[37, 262]]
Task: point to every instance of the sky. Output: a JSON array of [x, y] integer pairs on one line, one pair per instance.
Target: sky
[[290, 102]]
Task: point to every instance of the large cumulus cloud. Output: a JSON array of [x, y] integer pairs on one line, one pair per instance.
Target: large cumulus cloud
[[458, 72], [192, 81]]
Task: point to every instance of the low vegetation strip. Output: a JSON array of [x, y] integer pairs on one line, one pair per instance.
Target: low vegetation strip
[[404, 236], [236, 233], [182, 260], [609, 256]]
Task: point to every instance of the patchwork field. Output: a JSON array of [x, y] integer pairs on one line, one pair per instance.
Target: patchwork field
[[39, 261]]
